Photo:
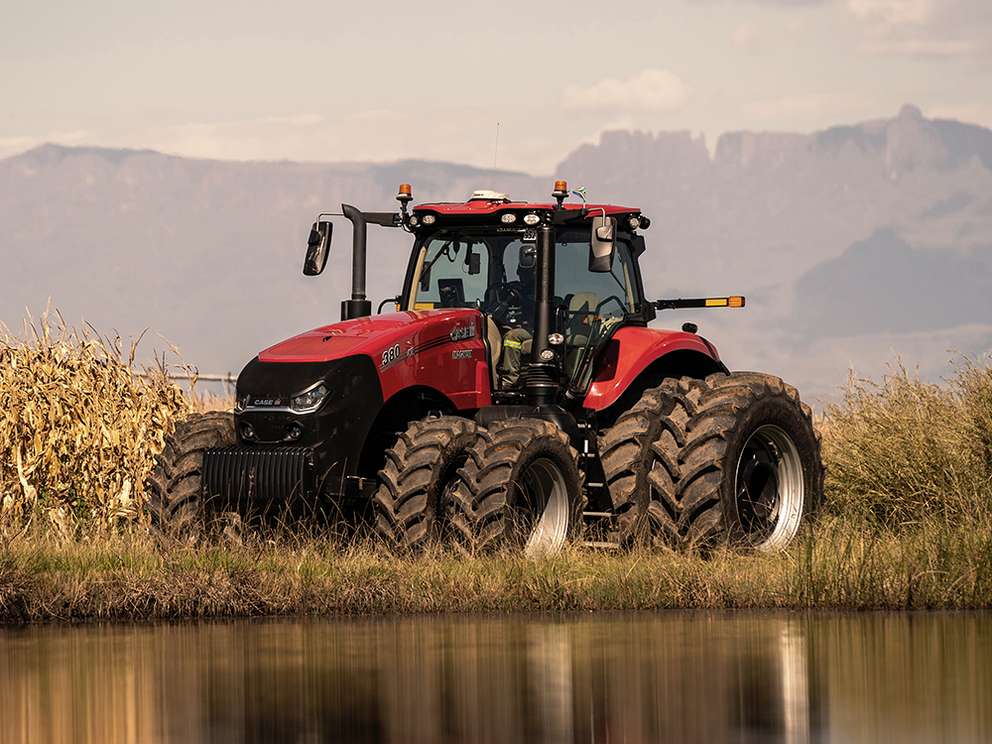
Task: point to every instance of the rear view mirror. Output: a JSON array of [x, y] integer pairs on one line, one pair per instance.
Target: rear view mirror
[[602, 244], [318, 248]]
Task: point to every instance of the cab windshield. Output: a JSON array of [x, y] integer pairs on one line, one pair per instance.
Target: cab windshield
[[496, 273]]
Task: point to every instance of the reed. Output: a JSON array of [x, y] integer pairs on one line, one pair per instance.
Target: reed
[[902, 453]]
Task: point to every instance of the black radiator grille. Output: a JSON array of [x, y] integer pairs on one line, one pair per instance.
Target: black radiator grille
[[245, 475]]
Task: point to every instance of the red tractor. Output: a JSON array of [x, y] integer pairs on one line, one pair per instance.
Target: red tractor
[[516, 397]]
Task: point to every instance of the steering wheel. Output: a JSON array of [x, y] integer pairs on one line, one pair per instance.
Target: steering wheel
[[499, 298], [612, 298]]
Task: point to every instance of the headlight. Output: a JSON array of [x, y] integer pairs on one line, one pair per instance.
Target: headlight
[[508, 219], [310, 400], [428, 219], [531, 219]]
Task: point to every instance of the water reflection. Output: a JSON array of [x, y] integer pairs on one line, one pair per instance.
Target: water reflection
[[681, 677]]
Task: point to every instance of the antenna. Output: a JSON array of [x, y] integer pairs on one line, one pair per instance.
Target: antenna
[[496, 148]]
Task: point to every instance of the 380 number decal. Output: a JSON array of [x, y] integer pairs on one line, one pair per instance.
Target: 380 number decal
[[390, 355]]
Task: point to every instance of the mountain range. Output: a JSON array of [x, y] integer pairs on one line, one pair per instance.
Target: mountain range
[[856, 245]]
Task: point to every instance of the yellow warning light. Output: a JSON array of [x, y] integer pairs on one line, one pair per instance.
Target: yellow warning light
[[733, 301], [561, 186], [405, 190]]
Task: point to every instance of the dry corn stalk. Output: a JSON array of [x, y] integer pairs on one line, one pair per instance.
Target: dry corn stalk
[[78, 429]]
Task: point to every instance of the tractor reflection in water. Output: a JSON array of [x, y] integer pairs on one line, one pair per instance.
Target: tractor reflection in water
[[635, 678]]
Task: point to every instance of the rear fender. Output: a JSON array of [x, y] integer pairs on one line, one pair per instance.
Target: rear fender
[[636, 358]]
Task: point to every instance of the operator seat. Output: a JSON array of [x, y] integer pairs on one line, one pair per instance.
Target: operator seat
[[495, 339], [581, 309]]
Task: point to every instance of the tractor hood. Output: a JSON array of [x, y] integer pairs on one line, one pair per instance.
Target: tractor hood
[[368, 336]]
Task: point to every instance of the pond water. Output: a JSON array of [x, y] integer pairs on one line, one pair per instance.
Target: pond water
[[679, 677]]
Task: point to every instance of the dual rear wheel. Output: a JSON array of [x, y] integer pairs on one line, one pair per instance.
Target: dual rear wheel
[[729, 459], [513, 484]]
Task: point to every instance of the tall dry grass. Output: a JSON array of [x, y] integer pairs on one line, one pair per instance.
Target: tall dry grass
[[902, 453]]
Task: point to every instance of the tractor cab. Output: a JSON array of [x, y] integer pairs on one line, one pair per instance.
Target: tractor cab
[[519, 262], [553, 282]]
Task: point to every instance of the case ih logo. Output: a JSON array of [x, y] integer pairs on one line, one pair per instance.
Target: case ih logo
[[460, 333]]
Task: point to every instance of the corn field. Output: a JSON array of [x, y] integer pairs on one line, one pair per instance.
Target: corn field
[[78, 429]]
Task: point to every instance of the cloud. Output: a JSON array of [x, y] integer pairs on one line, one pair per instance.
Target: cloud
[[925, 28], [892, 12], [920, 47], [650, 90], [231, 139], [805, 106]]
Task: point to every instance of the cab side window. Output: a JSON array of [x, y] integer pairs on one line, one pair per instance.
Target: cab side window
[[447, 276]]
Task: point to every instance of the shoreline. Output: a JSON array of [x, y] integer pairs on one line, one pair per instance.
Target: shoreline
[[834, 566]]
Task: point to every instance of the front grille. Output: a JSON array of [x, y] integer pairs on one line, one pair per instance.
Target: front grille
[[243, 475]]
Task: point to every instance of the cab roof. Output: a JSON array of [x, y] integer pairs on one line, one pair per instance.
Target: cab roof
[[481, 207]]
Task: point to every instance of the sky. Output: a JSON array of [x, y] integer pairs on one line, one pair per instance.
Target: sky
[[515, 84]]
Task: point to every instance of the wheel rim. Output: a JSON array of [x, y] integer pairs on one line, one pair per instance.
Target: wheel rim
[[544, 510], [769, 489]]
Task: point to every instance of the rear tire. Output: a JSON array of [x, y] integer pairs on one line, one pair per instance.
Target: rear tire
[[419, 467], [732, 458], [520, 488], [628, 457], [175, 493]]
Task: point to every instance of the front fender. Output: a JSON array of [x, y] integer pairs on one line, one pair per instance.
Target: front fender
[[633, 349]]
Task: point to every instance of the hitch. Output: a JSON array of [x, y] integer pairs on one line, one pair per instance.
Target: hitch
[[734, 301]]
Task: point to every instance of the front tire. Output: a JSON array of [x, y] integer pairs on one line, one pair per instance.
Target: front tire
[[520, 488], [732, 458], [175, 487], [419, 467]]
